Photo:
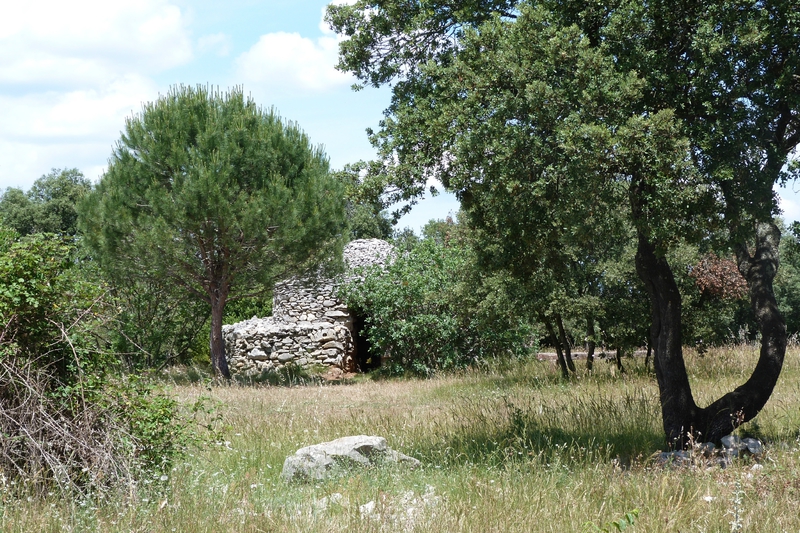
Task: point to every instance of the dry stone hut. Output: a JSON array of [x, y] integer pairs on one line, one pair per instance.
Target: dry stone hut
[[309, 324]]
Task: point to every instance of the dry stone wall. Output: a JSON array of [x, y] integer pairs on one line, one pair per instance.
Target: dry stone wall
[[309, 324]]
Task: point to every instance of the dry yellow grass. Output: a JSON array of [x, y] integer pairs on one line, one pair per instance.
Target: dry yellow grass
[[513, 449]]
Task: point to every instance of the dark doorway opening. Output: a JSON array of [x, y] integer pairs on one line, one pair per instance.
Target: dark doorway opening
[[365, 360]]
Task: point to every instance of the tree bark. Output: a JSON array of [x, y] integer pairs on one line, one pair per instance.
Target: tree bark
[[562, 337], [620, 353], [684, 421], [747, 400], [590, 342], [678, 409], [562, 364], [218, 360]]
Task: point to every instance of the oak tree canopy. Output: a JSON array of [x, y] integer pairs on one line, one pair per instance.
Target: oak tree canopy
[[560, 123]]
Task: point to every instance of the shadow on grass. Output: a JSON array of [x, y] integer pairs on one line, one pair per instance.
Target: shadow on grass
[[587, 429], [182, 374], [290, 375]]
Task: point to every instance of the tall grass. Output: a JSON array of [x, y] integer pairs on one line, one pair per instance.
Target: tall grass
[[510, 448]]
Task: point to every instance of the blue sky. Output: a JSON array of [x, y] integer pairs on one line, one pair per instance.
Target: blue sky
[[70, 72]]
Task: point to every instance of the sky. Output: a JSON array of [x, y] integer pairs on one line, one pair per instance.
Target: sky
[[71, 72]]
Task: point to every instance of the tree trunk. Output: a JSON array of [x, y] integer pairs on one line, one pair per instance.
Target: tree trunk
[[683, 420], [590, 343], [218, 360], [678, 409], [562, 337], [747, 400], [548, 324], [619, 359], [649, 354]]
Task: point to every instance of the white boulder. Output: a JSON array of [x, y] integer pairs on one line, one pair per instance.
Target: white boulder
[[322, 460]]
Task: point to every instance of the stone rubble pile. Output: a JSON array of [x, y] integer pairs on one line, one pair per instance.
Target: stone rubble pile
[[309, 324], [706, 454]]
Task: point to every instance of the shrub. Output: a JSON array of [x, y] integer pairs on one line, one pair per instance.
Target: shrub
[[430, 311], [65, 422], [45, 306], [84, 439]]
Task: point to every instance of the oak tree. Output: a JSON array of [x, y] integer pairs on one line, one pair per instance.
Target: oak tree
[[553, 120], [48, 207]]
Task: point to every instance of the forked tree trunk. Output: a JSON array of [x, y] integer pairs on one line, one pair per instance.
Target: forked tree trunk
[[679, 412], [745, 402], [683, 420], [218, 360]]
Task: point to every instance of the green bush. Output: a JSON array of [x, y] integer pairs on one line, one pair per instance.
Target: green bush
[[430, 310], [157, 324], [787, 282], [47, 310], [715, 303]]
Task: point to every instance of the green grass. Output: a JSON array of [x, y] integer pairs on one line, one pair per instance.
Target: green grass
[[514, 448]]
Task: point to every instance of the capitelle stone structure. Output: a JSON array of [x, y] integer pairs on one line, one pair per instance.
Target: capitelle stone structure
[[309, 324]]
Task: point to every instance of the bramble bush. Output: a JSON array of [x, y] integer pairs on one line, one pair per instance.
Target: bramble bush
[[66, 421]]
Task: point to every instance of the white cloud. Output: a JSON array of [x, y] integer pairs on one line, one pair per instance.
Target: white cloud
[[75, 128], [70, 72], [74, 115], [22, 163], [288, 62], [82, 42]]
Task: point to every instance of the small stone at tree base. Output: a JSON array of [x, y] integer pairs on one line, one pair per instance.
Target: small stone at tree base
[[754, 446], [707, 454]]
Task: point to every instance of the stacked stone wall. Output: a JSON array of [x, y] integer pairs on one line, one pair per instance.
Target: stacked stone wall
[[261, 345], [309, 325], [298, 301]]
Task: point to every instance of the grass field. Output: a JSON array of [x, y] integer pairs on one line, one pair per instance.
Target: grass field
[[510, 449]]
